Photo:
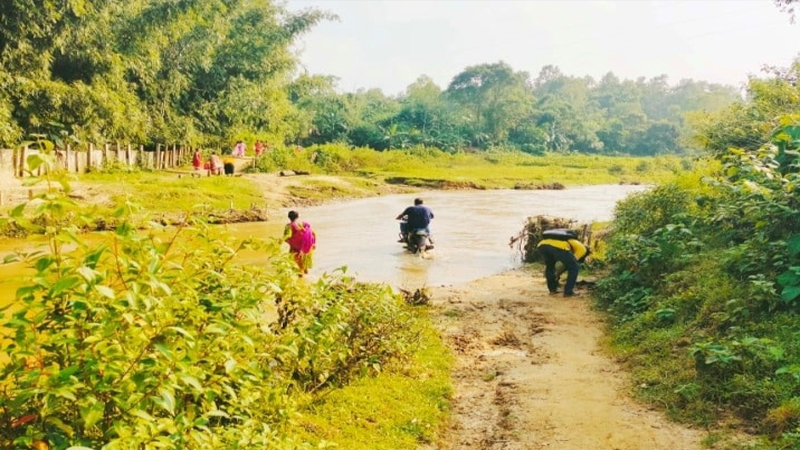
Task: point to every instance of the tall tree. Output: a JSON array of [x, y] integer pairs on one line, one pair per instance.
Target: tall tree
[[497, 98], [200, 70]]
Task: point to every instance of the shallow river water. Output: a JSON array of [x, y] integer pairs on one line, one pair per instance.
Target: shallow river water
[[471, 230]]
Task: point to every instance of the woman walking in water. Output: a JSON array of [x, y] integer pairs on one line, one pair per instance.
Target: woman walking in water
[[302, 241]]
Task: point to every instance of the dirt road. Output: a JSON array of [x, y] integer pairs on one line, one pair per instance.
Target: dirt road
[[530, 374]]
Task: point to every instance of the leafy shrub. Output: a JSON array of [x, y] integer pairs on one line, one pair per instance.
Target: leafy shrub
[[616, 169], [644, 212], [715, 265], [160, 340], [279, 158]]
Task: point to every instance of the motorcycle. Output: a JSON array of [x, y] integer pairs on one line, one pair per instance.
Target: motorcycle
[[417, 241]]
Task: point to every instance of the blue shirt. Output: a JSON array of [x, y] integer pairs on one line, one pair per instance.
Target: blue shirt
[[419, 216]]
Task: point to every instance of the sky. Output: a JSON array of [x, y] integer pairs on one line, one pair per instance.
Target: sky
[[388, 44]]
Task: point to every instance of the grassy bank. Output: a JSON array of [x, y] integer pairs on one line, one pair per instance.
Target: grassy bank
[[399, 409], [160, 338], [164, 191], [430, 168], [337, 172], [363, 172], [703, 300]]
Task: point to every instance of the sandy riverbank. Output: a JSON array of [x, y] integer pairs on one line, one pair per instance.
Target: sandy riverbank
[[531, 374]]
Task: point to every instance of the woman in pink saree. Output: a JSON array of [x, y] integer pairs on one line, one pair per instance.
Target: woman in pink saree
[[302, 241]]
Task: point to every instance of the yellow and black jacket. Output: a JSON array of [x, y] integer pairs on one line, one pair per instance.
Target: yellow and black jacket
[[572, 245]]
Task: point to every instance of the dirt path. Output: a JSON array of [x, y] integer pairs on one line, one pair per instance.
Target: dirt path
[[530, 374], [277, 189]]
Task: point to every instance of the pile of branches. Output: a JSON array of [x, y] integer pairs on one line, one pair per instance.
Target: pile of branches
[[528, 238], [420, 297]]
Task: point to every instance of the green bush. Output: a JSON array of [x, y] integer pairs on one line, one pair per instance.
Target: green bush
[[616, 169], [159, 339], [704, 293]]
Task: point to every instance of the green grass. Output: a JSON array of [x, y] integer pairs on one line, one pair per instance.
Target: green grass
[[509, 170], [316, 191], [365, 170], [165, 192], [401, 408], [425, 167]]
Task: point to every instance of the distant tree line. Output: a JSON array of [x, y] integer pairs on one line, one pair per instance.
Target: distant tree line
[[210, 72], [493, 105]]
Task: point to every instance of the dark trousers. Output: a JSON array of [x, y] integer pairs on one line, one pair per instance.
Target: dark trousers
[[552, 255]]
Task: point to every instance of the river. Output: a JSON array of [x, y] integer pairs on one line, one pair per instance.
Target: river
[[471, 230]]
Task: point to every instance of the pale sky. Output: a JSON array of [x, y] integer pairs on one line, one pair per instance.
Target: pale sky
[[388, 44]]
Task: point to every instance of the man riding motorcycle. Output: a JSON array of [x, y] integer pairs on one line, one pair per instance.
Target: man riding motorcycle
[[415, 218]]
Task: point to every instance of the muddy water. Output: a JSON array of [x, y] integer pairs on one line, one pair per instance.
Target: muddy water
[[471, 230]]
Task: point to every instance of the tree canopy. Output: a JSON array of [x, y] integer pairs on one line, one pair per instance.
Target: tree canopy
[[148, 70], [217, 71], [493, 105]]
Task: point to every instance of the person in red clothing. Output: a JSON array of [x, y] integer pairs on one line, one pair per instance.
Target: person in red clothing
[[302, 241], [259, 148], [197, 160]]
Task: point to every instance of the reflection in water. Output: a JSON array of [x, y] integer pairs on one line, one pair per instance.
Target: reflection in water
[[471, 231]]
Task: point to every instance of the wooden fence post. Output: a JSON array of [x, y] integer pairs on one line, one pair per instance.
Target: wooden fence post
[[67, 152], [14, 161], [77, 161], [89, 157], [106, 148], [128, 155], [158, 157], [22, 156]]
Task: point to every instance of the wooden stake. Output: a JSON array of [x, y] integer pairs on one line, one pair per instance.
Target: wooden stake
[[22, 155], [89, 157]]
